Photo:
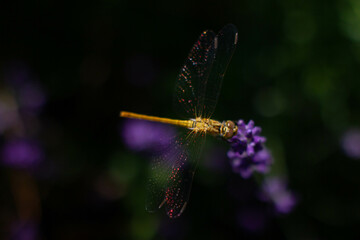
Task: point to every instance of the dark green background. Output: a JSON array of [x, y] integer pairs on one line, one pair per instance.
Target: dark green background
[[295, 73]]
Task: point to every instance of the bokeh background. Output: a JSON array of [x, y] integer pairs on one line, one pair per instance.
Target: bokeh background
[[67, 69]]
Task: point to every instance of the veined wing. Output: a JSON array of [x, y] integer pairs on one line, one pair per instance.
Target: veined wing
[[197, 91], [190, 85], [199, 82], [224, 45], [171, 174]]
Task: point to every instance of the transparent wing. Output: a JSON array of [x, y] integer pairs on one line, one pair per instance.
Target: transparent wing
[[190, 85], [196, 94], [224, 45], [172, 174], [199, 82]]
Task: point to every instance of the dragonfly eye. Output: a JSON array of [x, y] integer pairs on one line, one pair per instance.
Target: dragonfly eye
[[229, 133], [229, 130], [226, 132], [230, 124]]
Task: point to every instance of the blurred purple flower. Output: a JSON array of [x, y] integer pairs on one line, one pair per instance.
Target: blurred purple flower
[[21, 153], [247, 153], [23, 230], [252, 219], [275, 190], [351, 142], [141, 135]]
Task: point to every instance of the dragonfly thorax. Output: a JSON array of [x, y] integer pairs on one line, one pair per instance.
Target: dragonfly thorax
[[225, 129], [205, 125]]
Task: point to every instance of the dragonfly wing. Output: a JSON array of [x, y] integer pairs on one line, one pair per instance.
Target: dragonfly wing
[[172, 173], [190, 87], [197, 91], [199, 82], [224, 44]]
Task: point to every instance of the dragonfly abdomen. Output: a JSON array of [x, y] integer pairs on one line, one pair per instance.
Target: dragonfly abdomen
[[180, 123]]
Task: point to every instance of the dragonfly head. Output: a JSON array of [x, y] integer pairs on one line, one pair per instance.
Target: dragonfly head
[[228, 129]]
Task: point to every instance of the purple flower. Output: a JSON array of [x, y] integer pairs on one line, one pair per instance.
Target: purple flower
[[21, 153], [351, 143], [247, 153], [275, 190], [140, 135]]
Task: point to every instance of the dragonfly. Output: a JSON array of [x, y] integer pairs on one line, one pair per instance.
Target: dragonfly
[[196, 94]]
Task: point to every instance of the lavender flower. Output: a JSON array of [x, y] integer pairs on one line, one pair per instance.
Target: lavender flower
[[141, 135], [351, 143], [21, 153], [247, 153], [275, 190]]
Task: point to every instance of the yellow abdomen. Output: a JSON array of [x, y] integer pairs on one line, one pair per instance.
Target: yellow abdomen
[[180, 123]]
